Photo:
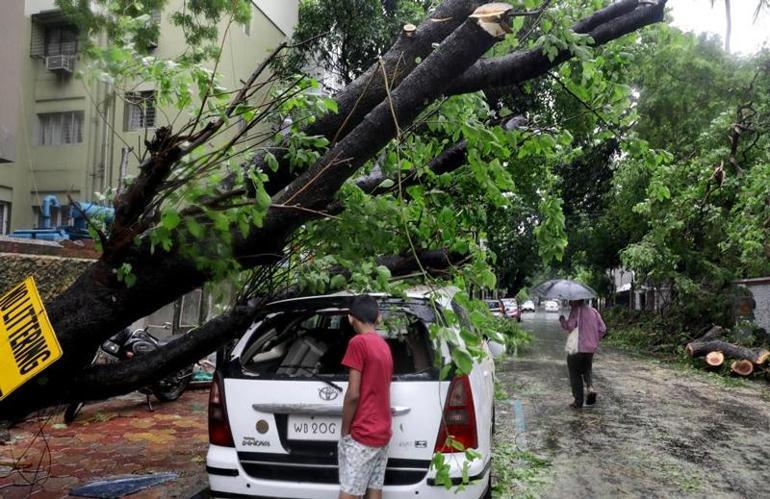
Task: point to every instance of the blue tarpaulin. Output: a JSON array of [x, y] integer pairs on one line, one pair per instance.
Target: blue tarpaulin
[[122, 485]]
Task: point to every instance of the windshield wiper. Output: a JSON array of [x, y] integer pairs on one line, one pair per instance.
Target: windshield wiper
[[315, 376]]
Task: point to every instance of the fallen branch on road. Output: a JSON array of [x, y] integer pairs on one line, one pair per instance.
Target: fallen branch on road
[[702, 348]]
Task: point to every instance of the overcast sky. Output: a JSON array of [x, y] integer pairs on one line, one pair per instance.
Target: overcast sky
[[747, 36]]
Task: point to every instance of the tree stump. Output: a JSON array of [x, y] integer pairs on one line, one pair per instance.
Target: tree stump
[[715, 359], [742, 367]]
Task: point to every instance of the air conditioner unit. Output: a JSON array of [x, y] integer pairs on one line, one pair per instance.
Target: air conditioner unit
[[60, 63]]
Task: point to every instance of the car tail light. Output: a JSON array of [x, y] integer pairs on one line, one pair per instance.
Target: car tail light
[[459, 419], [219, 428]]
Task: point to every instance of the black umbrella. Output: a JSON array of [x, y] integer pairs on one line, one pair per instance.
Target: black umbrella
[[563, 289]]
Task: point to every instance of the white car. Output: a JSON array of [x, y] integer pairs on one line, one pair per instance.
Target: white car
[[276, 403], [528, 306], [496, 307], [551, 306]]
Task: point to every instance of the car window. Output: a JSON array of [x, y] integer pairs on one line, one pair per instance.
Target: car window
[[303, 345]]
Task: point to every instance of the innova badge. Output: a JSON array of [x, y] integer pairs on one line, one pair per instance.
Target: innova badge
[[328, 393]]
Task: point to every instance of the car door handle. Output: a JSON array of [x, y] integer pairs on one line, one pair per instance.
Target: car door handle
[[396, 410], [306, 409], [317, 409]]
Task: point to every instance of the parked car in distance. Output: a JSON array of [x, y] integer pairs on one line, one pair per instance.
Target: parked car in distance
[[528, 306], [511, 309], [275, 405], [495, 307], [552, 306]]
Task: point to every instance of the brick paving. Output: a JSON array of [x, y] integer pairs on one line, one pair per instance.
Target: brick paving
[[117, 437]]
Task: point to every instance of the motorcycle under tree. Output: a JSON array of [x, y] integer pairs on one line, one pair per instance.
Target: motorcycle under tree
[[127, 344]]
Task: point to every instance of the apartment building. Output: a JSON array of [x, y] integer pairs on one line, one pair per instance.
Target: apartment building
[[60, 137]]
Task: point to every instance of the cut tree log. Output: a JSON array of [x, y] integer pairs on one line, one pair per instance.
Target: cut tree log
[[702, 348], [715, 359], [742, 367]]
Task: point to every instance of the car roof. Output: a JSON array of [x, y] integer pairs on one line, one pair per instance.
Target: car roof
[[417, 301], [415, 293]]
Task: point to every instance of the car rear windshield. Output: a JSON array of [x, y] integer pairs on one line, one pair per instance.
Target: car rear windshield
[[304, 344]]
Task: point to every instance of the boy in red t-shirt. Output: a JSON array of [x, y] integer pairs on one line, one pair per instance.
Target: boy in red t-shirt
[[366, 419]]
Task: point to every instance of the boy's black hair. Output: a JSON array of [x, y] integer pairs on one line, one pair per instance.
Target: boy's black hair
[[365, 309]]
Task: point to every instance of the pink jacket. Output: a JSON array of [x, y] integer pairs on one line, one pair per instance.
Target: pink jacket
[[592, 327]]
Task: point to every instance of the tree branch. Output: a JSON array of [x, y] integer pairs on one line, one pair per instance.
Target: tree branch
[[427, 82], [604, 26], [358, 98]]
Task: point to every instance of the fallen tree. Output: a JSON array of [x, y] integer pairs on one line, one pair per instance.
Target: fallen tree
[[372, 111]]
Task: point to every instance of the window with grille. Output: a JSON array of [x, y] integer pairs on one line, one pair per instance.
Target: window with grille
[[140, 110], [5, 217], [56, 129], [61, 40]]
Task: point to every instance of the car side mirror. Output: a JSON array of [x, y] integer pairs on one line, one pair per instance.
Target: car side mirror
[[497, 349]]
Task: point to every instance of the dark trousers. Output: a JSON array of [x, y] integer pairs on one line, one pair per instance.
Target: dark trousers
[[579, 366]]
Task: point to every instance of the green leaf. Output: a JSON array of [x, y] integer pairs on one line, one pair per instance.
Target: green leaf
[[462, 360], [263, 199], [337, 282], [331, 105], [170, 219], [194, 227]]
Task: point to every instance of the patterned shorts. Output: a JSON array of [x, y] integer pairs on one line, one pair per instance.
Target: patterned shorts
[[361, 467]]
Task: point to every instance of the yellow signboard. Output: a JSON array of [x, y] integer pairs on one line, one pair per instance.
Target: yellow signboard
[[27, 341]]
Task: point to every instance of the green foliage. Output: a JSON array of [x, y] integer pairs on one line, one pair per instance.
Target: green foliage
[[663, 333], [660, 207], [518, 473], [125, 274]]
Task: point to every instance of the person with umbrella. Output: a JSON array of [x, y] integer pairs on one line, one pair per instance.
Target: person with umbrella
[[587, 324]]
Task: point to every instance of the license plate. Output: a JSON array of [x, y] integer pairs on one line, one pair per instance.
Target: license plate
[[314, 428]]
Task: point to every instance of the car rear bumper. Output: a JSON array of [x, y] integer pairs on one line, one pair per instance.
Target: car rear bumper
[[227, 479]]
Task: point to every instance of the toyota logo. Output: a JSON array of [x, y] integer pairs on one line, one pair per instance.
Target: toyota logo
[[328, 393]]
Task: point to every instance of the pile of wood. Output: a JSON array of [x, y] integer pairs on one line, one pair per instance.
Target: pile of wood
[[716, 351]]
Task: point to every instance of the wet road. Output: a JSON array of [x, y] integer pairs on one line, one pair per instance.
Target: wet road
[[657, 431]]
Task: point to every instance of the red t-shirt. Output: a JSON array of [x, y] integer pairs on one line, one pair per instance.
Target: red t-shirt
[[370, 354]]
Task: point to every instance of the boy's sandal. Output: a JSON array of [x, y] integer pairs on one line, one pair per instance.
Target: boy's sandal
[[591, 398], [574, 405]]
